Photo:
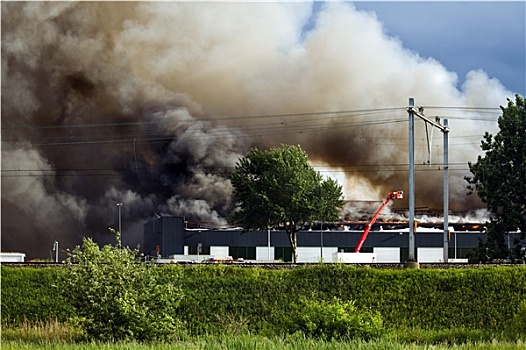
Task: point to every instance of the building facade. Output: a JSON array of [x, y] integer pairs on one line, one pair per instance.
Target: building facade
[[170, 236]]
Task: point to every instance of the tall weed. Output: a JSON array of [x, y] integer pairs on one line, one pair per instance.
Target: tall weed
[[42, 331]]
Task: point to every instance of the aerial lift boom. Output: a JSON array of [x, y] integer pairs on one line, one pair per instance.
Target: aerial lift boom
[[390, 197]]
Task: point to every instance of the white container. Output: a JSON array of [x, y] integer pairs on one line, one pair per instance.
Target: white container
[[12, 257]]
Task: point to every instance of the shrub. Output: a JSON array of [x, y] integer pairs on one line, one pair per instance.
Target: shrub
[[336, 319], [117, 298]]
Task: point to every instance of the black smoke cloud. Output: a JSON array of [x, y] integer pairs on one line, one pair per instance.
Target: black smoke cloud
[[148, 104]]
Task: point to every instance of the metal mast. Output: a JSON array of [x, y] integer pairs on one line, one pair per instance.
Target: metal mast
[[446, 192], [445, 130], [411, 180]]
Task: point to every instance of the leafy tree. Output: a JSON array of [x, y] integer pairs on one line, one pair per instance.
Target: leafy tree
[[116, 297], [280, 187], [499, 179]]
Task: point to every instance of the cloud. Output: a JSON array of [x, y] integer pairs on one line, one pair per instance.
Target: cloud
[[463, 36]]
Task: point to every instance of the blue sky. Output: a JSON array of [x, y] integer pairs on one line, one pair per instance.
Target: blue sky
[[463, 36]]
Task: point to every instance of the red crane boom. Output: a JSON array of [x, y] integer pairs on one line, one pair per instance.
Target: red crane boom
[[390, 197]]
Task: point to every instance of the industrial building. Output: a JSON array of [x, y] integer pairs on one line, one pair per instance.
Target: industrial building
[[171, 237]]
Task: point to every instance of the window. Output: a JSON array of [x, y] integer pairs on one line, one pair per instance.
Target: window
[[192, 250], [283, 253], [247, 253], [462, 253], [345, 249], [404, 254], [351, 249]]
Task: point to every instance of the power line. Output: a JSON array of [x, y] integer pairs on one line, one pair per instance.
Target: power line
[[337, 168], [338, 113], [345, 113], [465, 108], [258, 131]]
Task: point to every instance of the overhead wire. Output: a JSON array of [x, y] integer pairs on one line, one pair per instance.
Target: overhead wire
[[244, 132], [117, 172], [256, 130], [209, 118], [309, 123], [261, 116]]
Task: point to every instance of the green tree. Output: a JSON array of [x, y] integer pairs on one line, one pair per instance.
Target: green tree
[[116, 297], [280, 187], [499, 179]]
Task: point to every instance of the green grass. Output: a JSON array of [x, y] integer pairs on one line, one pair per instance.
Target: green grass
[[222, 298], [250, 308], [259, 343], [39, 331], [54, 335]]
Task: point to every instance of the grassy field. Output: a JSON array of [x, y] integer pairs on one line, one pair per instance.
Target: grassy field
[[260, 309], [259, 343], [53, 335]]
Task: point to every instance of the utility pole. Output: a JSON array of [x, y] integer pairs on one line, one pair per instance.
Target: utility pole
[[446, 194], [445, 130], [55, 249], [411, 180], [268, 242], [321, 241], [119, 205]]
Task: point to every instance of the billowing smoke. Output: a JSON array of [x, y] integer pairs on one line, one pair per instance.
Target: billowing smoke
[[150, 104]]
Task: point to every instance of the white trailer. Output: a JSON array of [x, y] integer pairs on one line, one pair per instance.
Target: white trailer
[[12, 257]]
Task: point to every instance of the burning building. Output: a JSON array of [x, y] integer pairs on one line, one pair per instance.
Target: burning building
[[150, 104], [172, 239]]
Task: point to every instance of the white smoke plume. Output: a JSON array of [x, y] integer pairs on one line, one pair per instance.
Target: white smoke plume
[[151, 104]]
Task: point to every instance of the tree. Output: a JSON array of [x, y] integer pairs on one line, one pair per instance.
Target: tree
[[280, 187], [116, 297], [499, 179]]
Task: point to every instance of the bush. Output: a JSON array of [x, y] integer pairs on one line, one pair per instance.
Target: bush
[[336, 319], [115, 297]]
